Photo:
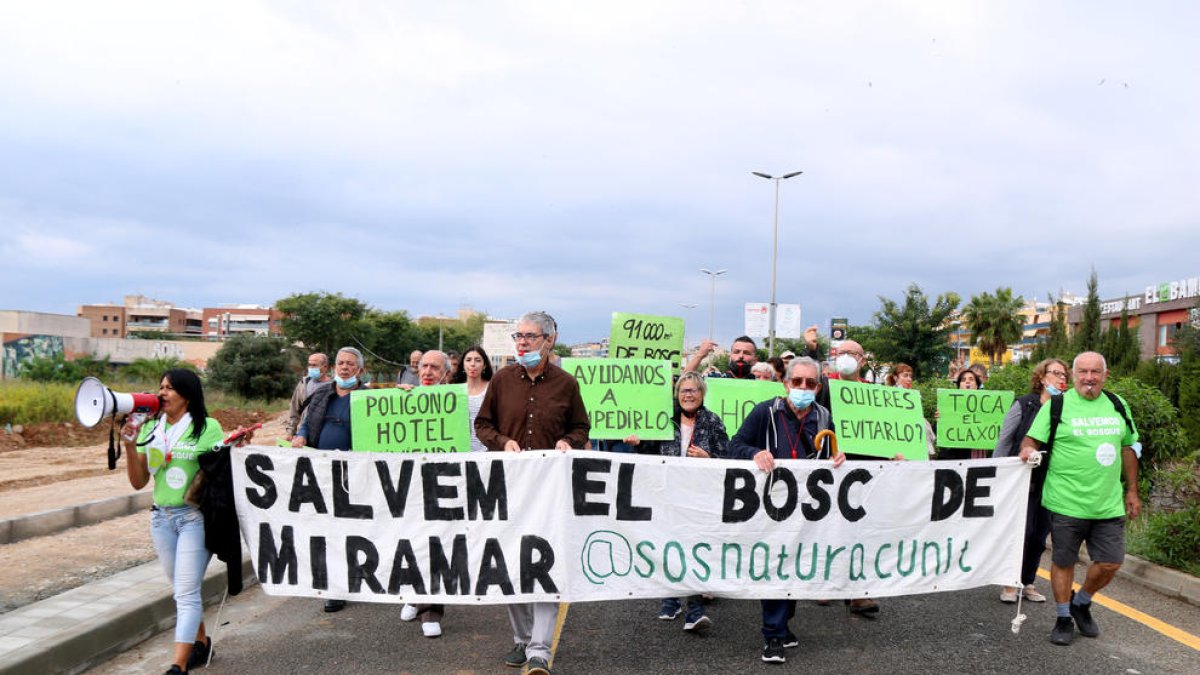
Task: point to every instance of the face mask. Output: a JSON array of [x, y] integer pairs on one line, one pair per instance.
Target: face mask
[[1053, 390], [847, 365], [801, 398], [739, 368], [529, 359], [314, 373], [347, 383]]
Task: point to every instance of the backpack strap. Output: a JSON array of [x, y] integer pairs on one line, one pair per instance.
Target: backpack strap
[[1056, 408], [1116, 402]]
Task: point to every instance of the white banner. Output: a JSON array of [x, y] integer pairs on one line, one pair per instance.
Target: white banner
[[497, 338], [576, 526]]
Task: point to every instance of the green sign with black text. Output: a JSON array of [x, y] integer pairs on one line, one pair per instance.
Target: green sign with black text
[[625, 396], [969, 418], [871, 419], [643, 336], [426, 419], [732, 399]]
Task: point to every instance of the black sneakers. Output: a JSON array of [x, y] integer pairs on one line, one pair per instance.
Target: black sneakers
[[773, 651], [790, 640], [199, 656], [1083, 618], [1064, 631], [538, 666], [516, 657]]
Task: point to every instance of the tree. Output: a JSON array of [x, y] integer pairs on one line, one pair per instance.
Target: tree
[[913, 332], [1087, 338], [995, 321], [322, 321], [1121, 347], [253, 367]]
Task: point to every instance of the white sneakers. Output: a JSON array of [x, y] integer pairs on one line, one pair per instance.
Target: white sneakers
[[431, 629], [409, 613], [1032, 595], [1009, 594]]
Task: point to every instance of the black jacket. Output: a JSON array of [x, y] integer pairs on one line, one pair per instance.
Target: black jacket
[[221, 534]]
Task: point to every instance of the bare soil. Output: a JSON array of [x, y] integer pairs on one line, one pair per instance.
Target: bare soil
[[36, 478]]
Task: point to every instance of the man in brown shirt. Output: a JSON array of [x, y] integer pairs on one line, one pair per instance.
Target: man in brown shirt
[[533, 405]]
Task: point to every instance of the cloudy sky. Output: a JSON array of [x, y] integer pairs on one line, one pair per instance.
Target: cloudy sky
[[586, 158]]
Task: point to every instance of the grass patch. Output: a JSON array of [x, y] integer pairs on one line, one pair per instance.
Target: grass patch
[[36, 402], [1168, 539]]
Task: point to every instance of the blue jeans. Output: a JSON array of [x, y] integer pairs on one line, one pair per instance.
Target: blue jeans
[[776, 615], [178, 534], [695, 607]]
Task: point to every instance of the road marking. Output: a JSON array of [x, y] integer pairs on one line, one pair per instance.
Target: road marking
[[558, 626], [1121, 608]]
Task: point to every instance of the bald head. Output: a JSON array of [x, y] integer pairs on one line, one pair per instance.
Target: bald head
[[433, 368]]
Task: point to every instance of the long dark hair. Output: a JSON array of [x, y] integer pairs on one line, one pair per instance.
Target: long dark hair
[[187, 385], [460, 373]]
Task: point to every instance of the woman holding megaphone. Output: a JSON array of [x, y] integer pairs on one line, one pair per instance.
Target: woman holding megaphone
[[166, 449]]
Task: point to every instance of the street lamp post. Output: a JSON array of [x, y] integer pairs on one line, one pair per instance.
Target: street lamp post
[[712, 308], [689, 306], [774, 254]]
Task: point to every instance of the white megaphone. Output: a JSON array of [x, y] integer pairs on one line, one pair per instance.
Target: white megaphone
[[94, 402]]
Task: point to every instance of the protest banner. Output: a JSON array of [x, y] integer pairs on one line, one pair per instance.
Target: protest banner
[[643, 336], [426, 419], [482, 528], [971, 418], [625, 396], [732, 399], [879, 421]]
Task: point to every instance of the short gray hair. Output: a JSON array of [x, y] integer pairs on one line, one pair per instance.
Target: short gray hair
[[357, 354], [445, 358], [1103, 363], [691, 376], [802, 361], [544, 321]]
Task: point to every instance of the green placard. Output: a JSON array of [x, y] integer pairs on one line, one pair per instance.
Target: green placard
[[969, 418], [871, 419], [643, 336], [426, 419], [625, 396], [733, 399]]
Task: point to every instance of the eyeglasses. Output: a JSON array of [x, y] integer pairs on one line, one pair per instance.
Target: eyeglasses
[[857, 355], [803, 383], [527, 336], [688, 392], [1057, 373]]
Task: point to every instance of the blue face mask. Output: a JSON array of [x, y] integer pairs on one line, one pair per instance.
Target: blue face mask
[[1053, 390], [314, 373], [347, 383], [529, 359], [801, 398]]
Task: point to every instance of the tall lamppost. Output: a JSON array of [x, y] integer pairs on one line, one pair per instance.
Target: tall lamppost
[[712, 308], [689, 306], [774, 253]]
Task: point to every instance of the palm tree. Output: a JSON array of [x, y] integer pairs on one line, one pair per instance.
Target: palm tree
[[995, 321]]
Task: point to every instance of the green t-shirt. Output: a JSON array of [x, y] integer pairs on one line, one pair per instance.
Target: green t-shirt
[[1084, 479], [173, 478]]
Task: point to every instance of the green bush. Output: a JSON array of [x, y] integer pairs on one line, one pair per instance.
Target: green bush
[[146, 373], [928, 390], [60, 369], [1156, 419], [253, 367], [1013, 377], [1161, 376], [32, 403], [1171, 539]]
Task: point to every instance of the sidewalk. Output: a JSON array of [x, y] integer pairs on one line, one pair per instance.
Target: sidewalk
[[84, 626]]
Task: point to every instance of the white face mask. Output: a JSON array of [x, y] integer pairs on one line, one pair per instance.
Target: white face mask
[[846, 365]]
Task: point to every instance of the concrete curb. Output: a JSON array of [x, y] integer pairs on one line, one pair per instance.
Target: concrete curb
[[1164, 580], [53, 521], [85, 626]]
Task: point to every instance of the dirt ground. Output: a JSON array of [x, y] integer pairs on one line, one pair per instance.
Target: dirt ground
[[40, 477]]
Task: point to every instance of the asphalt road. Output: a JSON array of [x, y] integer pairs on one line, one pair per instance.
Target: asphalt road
[[959, 632]]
